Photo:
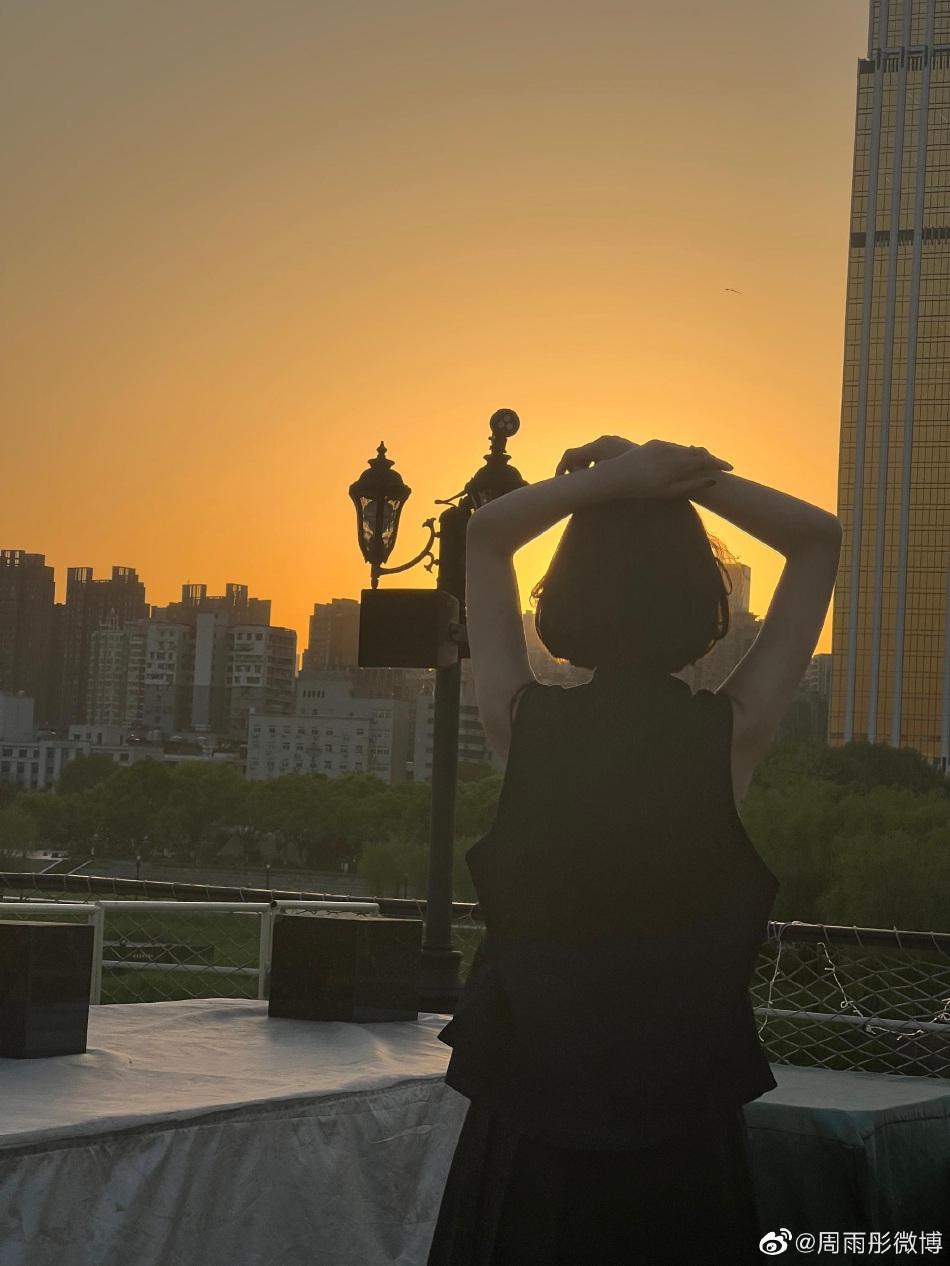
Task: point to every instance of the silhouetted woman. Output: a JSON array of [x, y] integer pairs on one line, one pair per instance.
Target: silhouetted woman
[[605, 1036]]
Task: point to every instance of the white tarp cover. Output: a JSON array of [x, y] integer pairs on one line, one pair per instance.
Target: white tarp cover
[[201, 1133]]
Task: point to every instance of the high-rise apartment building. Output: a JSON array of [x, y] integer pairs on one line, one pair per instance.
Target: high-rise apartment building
[[27, 597], [212, 660], [234, 604], [169, 676], [117, 657], [88, 604], [891, 680], [262, 665], [334, 635]]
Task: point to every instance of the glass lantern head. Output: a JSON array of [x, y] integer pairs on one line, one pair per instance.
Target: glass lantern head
[[379, 496]]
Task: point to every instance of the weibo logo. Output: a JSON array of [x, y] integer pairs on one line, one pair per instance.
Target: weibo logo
[[774, 1243]]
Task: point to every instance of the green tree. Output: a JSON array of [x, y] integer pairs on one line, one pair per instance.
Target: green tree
[[887, 880], [85, 772], [294, 805], [857, 834], [388, 864], [878, 765], [17, 833], [127, 808], [59, 820], [476, 805], [202, 797]]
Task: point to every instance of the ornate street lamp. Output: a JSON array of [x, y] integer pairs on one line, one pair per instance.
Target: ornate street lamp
[[425, 628], [379, 496], [496, 477]]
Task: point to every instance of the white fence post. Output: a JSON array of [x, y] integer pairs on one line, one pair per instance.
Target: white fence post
[[99, 927], [264, 953]]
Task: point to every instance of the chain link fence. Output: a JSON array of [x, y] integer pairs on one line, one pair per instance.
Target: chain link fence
[[184, 950], [860, 999]]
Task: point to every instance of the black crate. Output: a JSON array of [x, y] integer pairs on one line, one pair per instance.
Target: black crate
[[45, 977], [345, 967]]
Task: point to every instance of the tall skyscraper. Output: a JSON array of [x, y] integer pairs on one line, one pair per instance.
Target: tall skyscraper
[[26, 625], [891, 680]]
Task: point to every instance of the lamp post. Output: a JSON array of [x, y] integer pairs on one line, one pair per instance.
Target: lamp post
[[379, 496]]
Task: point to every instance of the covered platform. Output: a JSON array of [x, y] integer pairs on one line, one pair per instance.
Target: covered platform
[[201, 1133]]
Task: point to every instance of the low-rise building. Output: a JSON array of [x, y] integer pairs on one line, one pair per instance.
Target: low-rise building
[[331, 733], [37, 765]]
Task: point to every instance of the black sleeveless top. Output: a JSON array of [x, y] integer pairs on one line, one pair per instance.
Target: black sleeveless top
[[624, 906]]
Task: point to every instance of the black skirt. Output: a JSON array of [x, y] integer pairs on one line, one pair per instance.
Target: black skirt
[[512, 1201]]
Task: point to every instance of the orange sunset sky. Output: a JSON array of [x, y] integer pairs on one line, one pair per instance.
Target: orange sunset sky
[[247, 239]]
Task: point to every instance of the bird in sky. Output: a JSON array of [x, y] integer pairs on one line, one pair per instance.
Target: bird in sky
[[732, 291]]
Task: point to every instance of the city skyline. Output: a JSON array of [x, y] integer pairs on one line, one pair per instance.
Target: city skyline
[[252, 242]]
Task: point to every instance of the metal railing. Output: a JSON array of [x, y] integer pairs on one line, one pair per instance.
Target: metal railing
[[155, 941], [865, 999]]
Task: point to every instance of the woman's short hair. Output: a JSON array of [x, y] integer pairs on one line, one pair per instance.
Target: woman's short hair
[[632, 582]]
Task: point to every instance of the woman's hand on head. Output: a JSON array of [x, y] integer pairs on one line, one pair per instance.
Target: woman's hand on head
[[660, 469], [589, 454]]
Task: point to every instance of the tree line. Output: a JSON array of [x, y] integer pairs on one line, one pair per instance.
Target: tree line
[[857, 835], [203, 813]]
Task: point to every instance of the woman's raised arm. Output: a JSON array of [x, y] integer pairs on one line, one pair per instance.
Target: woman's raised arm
[[762, 684]]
